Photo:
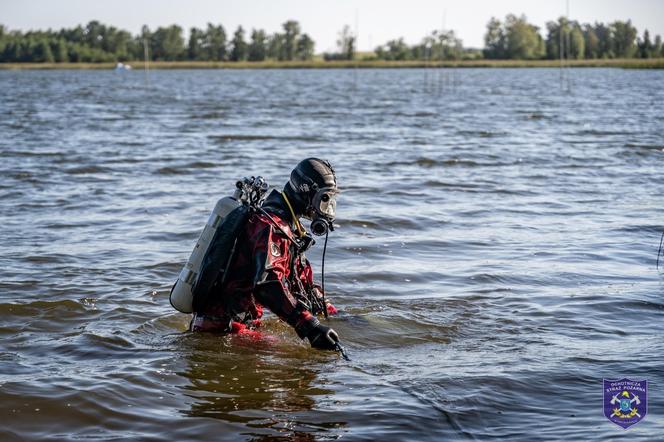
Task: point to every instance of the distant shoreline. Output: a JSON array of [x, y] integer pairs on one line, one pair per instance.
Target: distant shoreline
[[629, 63]]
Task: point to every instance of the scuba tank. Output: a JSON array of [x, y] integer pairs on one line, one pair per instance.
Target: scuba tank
[[216, 244], [182, 292]]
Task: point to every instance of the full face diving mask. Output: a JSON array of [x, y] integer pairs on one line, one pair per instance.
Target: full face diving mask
[[324, 205]]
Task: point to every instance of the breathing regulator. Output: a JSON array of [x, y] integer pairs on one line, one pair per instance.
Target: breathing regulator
[[324, 204], [252, 191]]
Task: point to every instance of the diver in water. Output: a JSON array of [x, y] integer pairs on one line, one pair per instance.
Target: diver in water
[[269, 267]]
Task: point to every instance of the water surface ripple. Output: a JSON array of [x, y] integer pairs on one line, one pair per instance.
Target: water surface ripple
[[495, 257]]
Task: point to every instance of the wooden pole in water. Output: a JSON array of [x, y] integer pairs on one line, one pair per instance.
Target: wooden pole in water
[[146, 62], [564, 48], [567, 35], [357, 45], [443, 77], [560, 49]]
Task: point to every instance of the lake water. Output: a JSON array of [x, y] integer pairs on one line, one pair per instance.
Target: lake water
[[494, 261]]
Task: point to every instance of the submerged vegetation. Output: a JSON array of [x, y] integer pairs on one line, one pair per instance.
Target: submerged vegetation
[[514, 38]]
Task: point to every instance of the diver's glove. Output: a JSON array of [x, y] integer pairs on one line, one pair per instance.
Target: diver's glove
[[323, 337]]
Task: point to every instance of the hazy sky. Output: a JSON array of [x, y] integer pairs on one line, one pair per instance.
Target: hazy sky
[[378, 20]]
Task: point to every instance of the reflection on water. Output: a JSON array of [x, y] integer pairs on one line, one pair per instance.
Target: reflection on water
[[261, 382]]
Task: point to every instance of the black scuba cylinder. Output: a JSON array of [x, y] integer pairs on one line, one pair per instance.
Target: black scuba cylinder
[[218, 256]]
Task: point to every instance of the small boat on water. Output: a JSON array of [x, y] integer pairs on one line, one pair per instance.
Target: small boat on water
[[122, 67]]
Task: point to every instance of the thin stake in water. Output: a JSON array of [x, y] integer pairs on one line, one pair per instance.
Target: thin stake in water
[[146, 62], [660, 250]]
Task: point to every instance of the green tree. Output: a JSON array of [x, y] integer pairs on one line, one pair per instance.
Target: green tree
[[215, 43], [645, 46], [195, 45], [554, 39], [494, 40], [59, 50], [140, 43], [513, 39], [167, 43], [394, 50], [93, 34], [12, 48], [577, 42], [439, 45], [275, 47], [591, 42], [3, 41], [239, 51], [605, 41], [27, 49], [291, 33], [305, 48], [566, 35], [346, 43], [41, 52], [657, 47], [522, 38], [624, 38], [118, 42], [74, 52], [75, 35], [258, 45]]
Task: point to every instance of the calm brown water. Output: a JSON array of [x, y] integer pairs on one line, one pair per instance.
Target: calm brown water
[[495, 258]]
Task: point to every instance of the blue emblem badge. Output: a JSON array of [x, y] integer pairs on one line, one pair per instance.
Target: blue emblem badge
[[625, 401]]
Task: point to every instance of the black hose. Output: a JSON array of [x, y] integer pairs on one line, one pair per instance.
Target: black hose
[[322, 274], [337, 345]]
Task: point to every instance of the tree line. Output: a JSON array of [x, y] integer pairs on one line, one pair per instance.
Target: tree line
[[437, 45], [515, 38], [96, 42], [512, 38]]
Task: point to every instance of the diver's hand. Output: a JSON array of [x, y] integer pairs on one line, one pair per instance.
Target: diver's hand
[[323, 337]]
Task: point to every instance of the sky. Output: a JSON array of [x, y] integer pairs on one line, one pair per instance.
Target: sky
[[377, 21]]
